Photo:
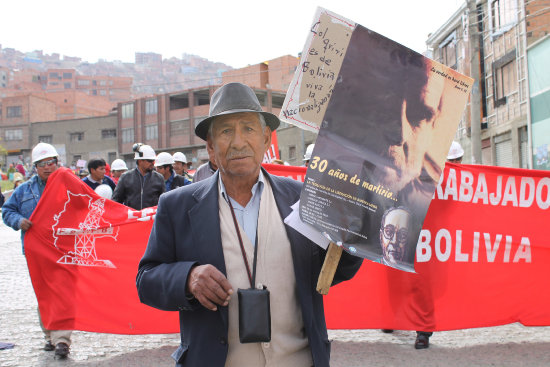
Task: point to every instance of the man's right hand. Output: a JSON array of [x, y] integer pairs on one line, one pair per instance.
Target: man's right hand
[[209, 286], [25, 224]]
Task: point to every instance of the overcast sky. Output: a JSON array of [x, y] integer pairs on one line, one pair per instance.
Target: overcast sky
[[236, 33]]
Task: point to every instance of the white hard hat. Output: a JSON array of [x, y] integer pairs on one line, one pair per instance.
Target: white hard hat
[[143, 151], [180, 157], [456, 151], [104, 191], [118, 165], [309, 151], [164, 158], [42, 151]]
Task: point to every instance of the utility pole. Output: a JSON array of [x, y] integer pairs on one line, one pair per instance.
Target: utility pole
[[475, 97]]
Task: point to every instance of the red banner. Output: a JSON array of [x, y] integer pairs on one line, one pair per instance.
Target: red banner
[[83, 253], [482, 260]]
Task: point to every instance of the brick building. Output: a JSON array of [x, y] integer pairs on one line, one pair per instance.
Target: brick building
[[92, 137], [503, 80], [16, 115], [167, 122]]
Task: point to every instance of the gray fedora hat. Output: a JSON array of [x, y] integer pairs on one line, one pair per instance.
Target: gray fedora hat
[[234, 98]]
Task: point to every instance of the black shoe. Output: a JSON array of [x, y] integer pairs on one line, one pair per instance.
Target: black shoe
[[48, 347], [61, 350], [387, 331], [422, 341]]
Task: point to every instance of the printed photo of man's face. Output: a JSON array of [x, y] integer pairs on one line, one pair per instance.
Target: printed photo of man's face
[[394, 233]]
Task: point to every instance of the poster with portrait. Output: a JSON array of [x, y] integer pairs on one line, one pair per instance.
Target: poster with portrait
[[385, 124]]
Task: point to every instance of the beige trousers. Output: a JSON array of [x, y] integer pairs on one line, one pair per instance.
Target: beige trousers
[[55, 336]]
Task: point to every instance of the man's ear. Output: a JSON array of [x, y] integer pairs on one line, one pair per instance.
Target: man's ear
[[267, 138]]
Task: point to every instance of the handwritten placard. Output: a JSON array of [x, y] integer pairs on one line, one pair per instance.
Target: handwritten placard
[[314, 81]]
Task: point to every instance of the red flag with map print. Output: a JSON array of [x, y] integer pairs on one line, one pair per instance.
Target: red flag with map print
[[89, 249]]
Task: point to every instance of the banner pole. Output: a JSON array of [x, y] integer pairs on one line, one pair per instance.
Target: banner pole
[[329, 268]]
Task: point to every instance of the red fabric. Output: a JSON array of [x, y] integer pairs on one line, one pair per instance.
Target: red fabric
[[456, 292], [503, 286], [90, 296]]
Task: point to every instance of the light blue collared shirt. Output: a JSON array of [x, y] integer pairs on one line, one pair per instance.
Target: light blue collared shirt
[[247, 216]]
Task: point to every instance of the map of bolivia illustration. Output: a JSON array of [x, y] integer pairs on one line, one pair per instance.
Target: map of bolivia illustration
[[76, 237]]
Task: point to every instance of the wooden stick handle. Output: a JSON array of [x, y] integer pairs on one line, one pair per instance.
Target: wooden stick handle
[[329, 268]]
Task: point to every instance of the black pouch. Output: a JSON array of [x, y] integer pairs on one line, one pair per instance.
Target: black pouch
[[254, 315]]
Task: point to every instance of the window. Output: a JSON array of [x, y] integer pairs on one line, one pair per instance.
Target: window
[[15, 134], [102, 92], [13, 111], [45, 139], [128, 135], [83, 82], [94, 92], [94, 82], [67, 85], [67, 75], [503, 13], [504, 77], [54, 76], [77, 136], [503, 150], [128, 111], [292, 152], [151, 132], [151, 107], [102, 82], [108, 133]]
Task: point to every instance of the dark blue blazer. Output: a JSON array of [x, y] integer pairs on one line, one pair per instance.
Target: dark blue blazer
[[186, 232]]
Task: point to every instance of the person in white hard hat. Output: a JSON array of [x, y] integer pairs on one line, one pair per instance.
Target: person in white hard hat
[[307, 156], [140, 187], [455, 153], [118, 167], [163, 165], [16, 213], [181, 165]]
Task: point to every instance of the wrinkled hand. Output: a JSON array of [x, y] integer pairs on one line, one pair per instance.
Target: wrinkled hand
[[209, 286], [25, 224]]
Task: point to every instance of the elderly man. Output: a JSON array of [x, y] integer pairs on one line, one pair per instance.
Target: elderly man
[[16, 213], [238, 210], [140, 187], [394, 235]]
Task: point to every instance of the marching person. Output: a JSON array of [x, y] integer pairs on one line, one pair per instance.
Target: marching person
[[205, 170], [307, 155], [181, 165], [96, 167], [118, 167], [140, 187], [239, 210], [163, 165], [16, 213], [455, 153]]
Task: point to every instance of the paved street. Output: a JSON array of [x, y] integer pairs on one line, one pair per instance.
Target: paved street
[[511, 345]]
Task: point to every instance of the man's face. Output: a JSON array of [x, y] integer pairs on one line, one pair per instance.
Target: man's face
[[164, 171], [394, 235], [180, 168], [239, 144], [118, 173], [45, 167], [146, 165], [413, 134], [97, 173]]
